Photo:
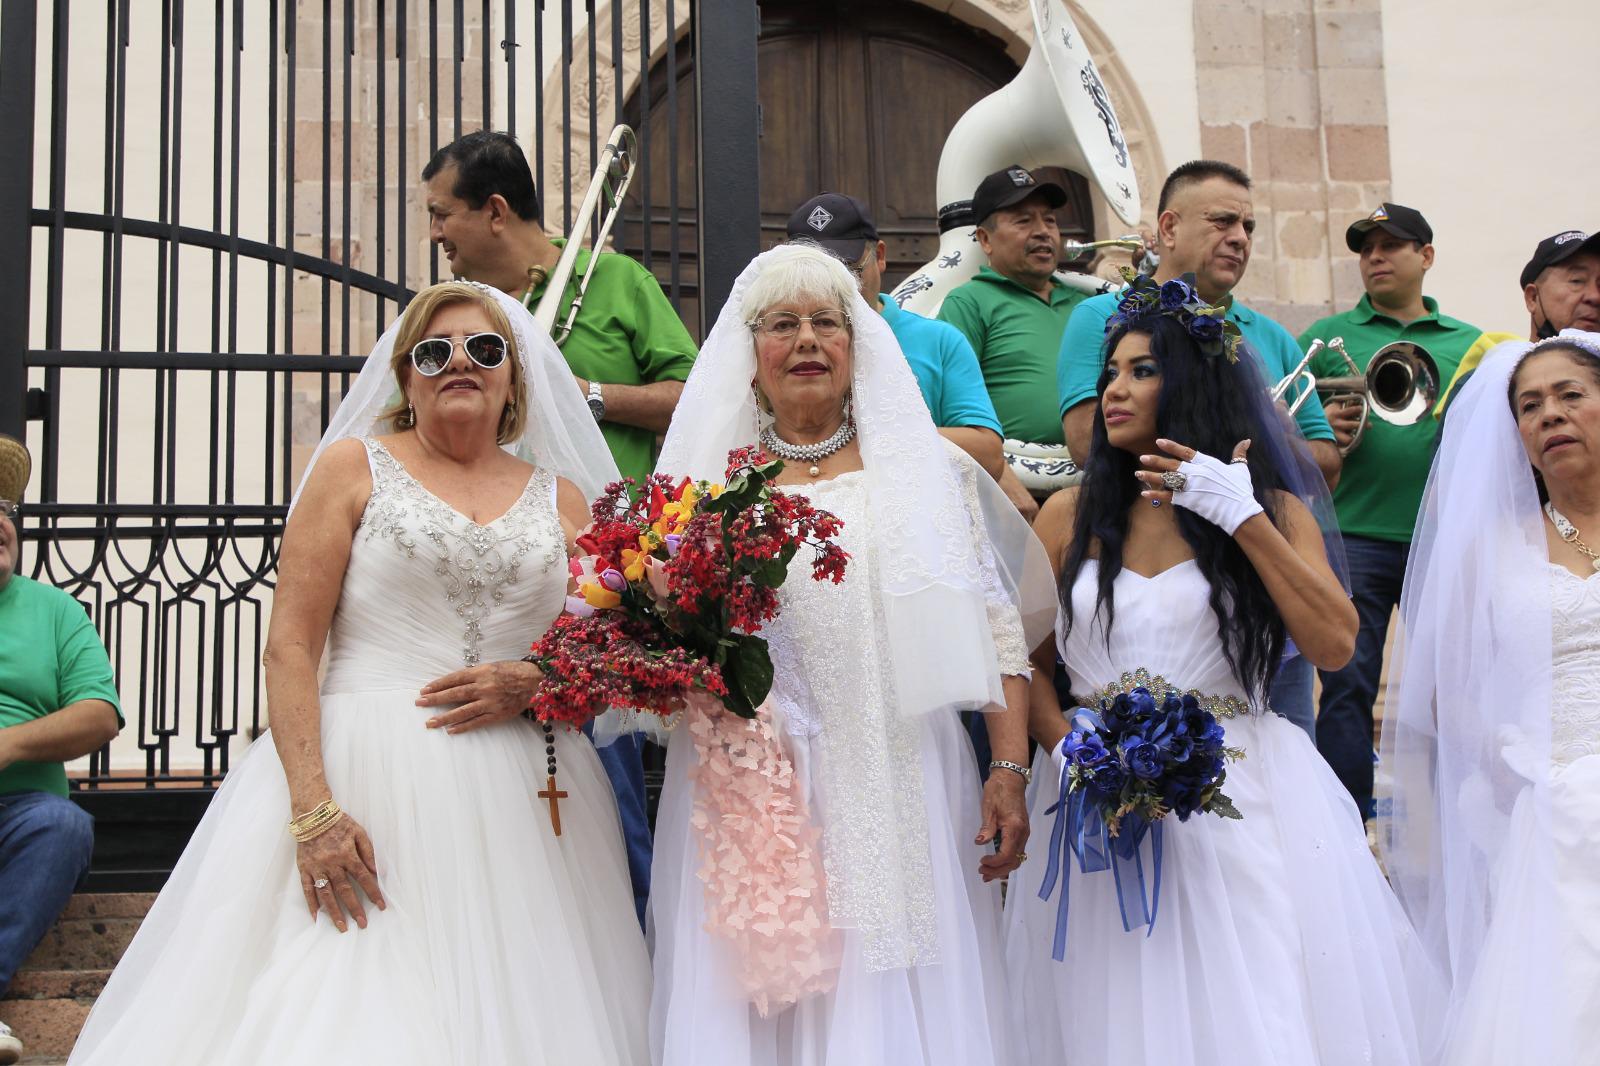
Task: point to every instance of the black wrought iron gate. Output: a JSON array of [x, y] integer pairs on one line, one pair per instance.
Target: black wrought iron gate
[[209, 213]]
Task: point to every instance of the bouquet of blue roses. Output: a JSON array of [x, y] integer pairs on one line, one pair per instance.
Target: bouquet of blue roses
[[1125, 768]]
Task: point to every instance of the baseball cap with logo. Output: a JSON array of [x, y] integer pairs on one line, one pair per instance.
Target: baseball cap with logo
[[1553, 250], [1404, 222], [841, 224], [1010, 186]]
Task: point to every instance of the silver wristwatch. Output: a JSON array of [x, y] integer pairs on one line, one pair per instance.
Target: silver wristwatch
[[1016, 768], [597, 402]]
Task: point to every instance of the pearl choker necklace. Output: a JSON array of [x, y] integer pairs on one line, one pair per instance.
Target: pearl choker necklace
[[809, 453]]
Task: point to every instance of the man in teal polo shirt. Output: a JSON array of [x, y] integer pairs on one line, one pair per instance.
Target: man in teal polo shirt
[[57, 702], [1015, 310], [1205, 224], [1380, 487], [628, 351], [943, 362]]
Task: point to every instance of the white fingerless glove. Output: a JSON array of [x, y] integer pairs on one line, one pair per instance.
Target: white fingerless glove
[[1219, 492]]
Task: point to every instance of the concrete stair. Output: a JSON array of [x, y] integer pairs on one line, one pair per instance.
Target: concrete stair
[[51, 994]]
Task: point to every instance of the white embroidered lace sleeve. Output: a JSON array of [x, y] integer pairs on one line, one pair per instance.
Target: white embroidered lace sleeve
[[1010, 644]]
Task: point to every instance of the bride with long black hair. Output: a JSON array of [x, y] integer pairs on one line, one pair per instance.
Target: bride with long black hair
[[1189, 554]]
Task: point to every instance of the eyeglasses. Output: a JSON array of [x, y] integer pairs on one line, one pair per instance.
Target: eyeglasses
[[785, 325], [9, 508], [431, 356]]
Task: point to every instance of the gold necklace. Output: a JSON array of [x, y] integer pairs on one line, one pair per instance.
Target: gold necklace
[[1569, 533]]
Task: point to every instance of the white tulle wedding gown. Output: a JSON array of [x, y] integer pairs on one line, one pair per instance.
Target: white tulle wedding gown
[[1546, 891], [1277, 941], [502, 943]]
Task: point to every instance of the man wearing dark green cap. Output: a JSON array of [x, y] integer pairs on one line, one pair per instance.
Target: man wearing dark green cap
[[1381, 485]]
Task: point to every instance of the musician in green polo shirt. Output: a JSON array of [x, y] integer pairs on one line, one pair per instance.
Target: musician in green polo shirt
[[1381, 485], [629, 352], [1015, 310]]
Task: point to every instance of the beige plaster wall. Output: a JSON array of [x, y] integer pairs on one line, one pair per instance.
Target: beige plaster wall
[[1493, 135]]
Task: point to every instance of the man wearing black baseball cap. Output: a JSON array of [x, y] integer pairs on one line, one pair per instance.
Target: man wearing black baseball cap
[[1560, 289], [1380, 485], [940, 357], [1561, 284], [1015, 310]]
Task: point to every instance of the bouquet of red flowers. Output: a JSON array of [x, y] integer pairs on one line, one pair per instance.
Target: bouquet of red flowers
[[674, 587]]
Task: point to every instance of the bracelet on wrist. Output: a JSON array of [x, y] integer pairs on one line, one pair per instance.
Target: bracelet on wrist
[[315, 822], [1016, 768]]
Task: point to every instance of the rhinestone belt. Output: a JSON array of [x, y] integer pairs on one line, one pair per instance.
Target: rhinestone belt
[[1158, 686]]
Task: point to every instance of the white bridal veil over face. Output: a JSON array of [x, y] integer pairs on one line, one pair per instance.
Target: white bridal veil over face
[[1467, 731], [560, 433], [927, 567]]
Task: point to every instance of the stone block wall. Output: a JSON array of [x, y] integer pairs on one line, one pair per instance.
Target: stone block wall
[[1293, 92]]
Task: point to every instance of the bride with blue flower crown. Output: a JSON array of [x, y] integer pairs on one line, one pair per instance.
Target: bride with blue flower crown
[[1188, 556]]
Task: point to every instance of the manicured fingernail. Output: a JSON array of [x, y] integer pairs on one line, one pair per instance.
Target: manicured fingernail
[[433, 723], [1146, 458]]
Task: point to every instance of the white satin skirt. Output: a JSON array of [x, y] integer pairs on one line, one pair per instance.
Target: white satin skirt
[[502, 944], [1277, 941]]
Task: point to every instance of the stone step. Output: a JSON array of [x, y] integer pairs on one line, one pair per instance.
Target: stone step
[[52, 992], [47, 1027], [92, 932]]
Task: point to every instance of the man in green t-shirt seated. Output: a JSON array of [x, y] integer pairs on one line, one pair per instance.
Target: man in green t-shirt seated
[[1380, 486], [629, 352], [1014, 311], [57, 702]]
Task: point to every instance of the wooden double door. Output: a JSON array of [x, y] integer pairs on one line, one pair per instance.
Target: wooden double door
[[857, 98]]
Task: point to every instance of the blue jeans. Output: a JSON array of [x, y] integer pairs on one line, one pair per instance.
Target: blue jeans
[[1291, 693], [624, 763], [45, 841], [1344, 726]]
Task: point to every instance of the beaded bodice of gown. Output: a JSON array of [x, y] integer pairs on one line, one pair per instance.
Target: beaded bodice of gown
[[428, 591], [1575, 683], [1164, 626]]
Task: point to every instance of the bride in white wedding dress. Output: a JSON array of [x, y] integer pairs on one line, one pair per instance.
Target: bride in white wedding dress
[[436, 914], [872, 934], [1493, 735], [1274, 940]]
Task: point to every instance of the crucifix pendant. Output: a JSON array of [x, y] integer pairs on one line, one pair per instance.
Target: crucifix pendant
[[555, 797]]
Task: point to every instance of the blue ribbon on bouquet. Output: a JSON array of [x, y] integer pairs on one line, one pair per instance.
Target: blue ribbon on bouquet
[[1079, 829]]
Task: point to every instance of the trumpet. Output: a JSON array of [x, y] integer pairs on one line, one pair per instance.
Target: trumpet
[[612, 175], [1400, 385]]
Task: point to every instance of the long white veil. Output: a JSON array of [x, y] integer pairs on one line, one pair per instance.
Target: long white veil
[[929, 573], [1466, 736], [560, 435]]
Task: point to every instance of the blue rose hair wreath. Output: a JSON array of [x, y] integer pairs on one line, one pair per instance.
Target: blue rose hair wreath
[[1208, 324]]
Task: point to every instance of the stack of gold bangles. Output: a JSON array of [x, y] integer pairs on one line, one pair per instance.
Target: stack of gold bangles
[[315, 822]]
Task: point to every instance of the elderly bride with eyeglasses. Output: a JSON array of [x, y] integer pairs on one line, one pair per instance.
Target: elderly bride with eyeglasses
[[381, 879], [826, 878]]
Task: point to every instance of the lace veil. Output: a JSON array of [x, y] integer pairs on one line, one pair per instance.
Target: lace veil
[[560, 435], [1466, 754], [929, 573]]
